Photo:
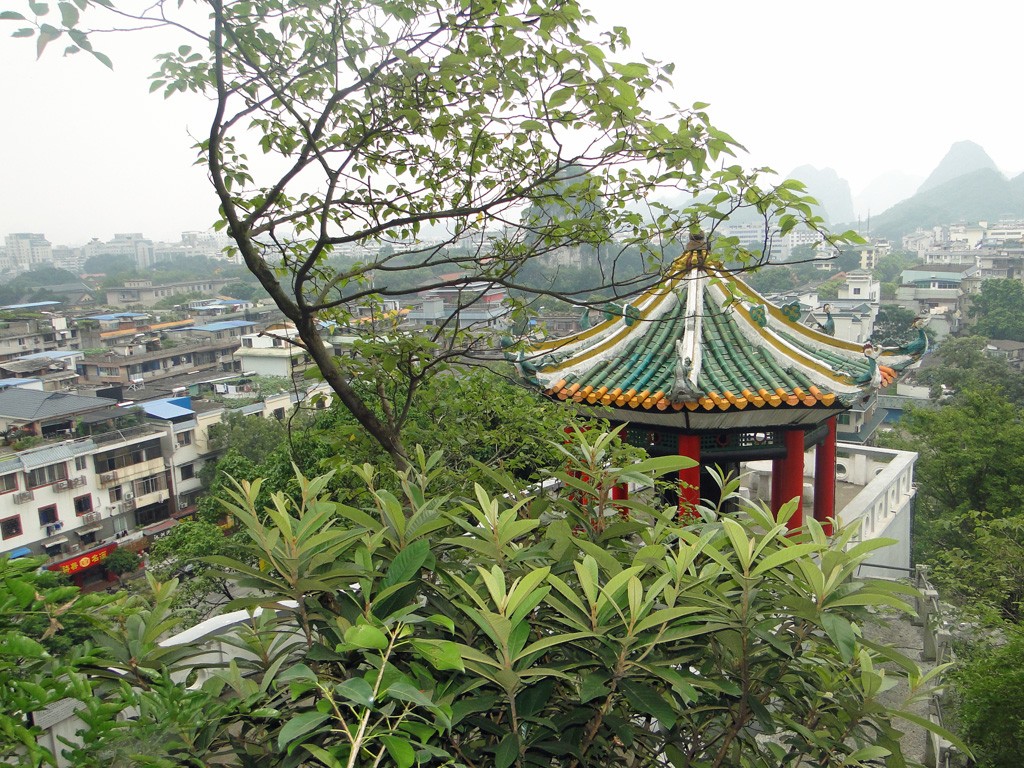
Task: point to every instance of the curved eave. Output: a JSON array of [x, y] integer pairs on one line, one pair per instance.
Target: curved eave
[[631, 365]]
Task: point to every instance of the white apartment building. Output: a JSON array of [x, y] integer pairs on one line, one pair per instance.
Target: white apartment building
[[26, 250]]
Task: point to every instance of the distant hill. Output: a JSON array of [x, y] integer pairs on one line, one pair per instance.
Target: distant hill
[[963, 158], [885, 191], [983, 194], [826, 186]]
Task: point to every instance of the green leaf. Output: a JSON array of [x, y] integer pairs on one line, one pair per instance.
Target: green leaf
[[592, 686], [841, 632], [356, 690], [406, 692], [11, 16], [407, 563], [400, 750], [507, 751], [646, 699], [366, 636], [298, 728], [442, 654], [783, 556]]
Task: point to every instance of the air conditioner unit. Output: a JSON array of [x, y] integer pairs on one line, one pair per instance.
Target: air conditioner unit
[[62, 485], [128, 495], [79, 481], [108, 477], [182, 503], [21, 498], [75, 548]]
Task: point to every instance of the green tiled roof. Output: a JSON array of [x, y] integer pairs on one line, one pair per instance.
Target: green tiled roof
[[695, 347]]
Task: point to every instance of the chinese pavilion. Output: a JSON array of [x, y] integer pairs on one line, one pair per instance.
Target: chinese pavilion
[[702, 366]]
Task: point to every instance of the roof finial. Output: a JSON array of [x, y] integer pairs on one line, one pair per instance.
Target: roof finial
[[698, 241], [696, 252]]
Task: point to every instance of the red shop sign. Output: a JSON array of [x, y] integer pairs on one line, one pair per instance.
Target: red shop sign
[[84, 560]]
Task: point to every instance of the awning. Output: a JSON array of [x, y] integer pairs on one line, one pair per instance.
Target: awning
[[19, 552], [55, 541], [158, 528], [83, 561], [88, 528]]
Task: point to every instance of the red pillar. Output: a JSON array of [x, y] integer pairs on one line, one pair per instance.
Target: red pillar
[[790, 473], [689, 479], [825, 478]]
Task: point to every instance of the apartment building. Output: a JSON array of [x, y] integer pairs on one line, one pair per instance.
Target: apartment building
[[143, 293]]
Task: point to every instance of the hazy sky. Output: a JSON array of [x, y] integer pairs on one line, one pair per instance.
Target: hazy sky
[[862, 87]]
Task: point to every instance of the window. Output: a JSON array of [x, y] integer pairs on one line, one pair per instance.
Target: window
[[81, 462], [48, 515], [10, 527], [150, 484], [856, 291], [187, 471], [83, 504], [8, 483], [184, 438], [47, 475]]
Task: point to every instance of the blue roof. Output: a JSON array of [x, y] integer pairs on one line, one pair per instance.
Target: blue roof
[[19, 552], [53, 354], [117, 316], [163, 409], [4, 383], [221, 326]]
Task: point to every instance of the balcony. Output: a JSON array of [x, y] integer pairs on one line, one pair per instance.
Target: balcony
[[91, 522], [156, 497]]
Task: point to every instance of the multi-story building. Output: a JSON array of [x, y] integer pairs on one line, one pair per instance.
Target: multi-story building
[[27, 250], [273, 352], [157, 360], [143, 293], [133, 247], [76, 496], [932, 291], [28, 330]]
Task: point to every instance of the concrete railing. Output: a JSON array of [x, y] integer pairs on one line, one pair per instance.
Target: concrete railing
[[936, 649], [884, 505]]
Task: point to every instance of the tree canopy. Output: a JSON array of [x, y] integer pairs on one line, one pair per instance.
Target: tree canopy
[[996, 310], [415, 135], [511, 629]]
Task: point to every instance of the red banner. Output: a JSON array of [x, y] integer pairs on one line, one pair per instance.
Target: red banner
[[84, 560]]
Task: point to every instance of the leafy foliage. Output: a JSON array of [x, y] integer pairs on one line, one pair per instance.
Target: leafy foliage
[[997, 310], [989, 706], [966, 365], [969, 460], [513, 630], [180, 553], [36, 668], [419, 132]]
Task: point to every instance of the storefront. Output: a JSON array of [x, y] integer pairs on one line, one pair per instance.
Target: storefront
[[85, 567]]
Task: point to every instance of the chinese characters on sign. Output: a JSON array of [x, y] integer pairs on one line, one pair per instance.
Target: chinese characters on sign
[[81, 562]]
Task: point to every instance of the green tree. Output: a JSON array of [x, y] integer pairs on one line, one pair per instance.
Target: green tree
[[893, 326], [516, 630], [966, 365], [37, 668], [971, 459], [996, 310], [121, 562], [181, 553], [989, 708], [392, 118], [889, 267]]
